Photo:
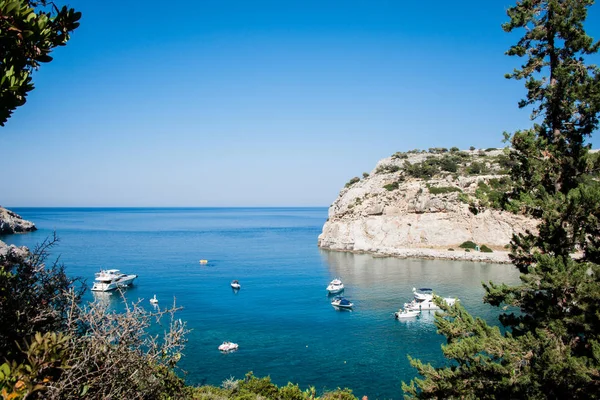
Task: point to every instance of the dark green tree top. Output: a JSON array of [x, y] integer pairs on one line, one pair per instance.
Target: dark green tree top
[[551, 348], [29, 30]]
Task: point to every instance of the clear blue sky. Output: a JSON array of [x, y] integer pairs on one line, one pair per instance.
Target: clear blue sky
[[255, 103]]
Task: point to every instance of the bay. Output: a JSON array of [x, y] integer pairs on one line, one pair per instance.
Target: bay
[[281, 318]]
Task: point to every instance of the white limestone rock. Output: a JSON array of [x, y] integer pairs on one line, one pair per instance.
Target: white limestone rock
[[413, 222]]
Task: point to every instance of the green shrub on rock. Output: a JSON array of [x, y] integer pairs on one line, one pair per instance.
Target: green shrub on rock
[[352, 181], [468, 245], [485, 249]]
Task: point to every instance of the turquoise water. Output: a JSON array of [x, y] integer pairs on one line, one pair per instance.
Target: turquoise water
[[282, 317]]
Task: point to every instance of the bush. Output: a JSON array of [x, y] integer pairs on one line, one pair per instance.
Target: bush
[[443, 189], [391, 186], [448, 164], [485, 249], [472, 148], [424, 170], [450, 249], [387, 169], [365, 174], [352, 181], [468, 245], [491, 149], [477, 168], [399, 155], [454, 149]]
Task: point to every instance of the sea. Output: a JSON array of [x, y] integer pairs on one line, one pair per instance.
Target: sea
[[281, 317]]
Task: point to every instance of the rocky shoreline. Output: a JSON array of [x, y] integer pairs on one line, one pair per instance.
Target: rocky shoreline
[[497, 257], [11, 222]]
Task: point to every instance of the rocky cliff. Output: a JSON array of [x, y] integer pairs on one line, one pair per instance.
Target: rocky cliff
[[11, 222], [426, 204]]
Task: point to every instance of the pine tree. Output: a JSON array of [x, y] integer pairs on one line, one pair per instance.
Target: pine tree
[[552, 345]]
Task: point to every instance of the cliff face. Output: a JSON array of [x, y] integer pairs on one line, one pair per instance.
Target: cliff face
[[392, 212], [11, 222]]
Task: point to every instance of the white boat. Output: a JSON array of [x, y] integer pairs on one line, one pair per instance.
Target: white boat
[[341, 302], [154, 300], [228, 346], [423, 300], [335, 286], [110, 279], [403, 314], [235, 284]]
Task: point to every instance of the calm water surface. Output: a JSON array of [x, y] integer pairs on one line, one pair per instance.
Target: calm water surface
[[281, 317]]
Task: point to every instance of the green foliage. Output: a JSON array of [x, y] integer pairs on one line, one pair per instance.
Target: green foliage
[[352, 181], [387, 169], [449, 163], [29, 31], [365, 174], [490, 149], [423, 170], [438, 150], [477, 168], [253, 388], [485, 249], [493, 194], [454, 149], [33, 298], [468, 245], [443, 189], [551, 344], [391, 186], [471, 148], [399, 155], [464, 198]]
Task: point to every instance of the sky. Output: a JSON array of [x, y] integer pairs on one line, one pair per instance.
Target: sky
[[223, 103]]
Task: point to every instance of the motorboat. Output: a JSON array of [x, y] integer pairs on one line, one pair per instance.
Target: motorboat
[[228, 346], [341, 302], [235, 284], [203, 261], [403, 314], [111, 279], [154, 300], [423, 300], [335, 286]]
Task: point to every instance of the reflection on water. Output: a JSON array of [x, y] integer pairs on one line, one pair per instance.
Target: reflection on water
[[388, 282], [104, 298]]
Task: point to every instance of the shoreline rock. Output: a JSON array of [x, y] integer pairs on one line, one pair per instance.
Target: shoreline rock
[[497, 257], [11, 223], [13, 252]]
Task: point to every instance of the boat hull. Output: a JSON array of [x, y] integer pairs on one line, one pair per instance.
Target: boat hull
[[112, 285]]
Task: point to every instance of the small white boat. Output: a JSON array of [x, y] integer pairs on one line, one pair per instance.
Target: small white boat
[[228, 346], [423, 300], [235, 284], [110, 279], [335, 286], [341, 302], [203, 261], [402, 314], [154, 300]]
